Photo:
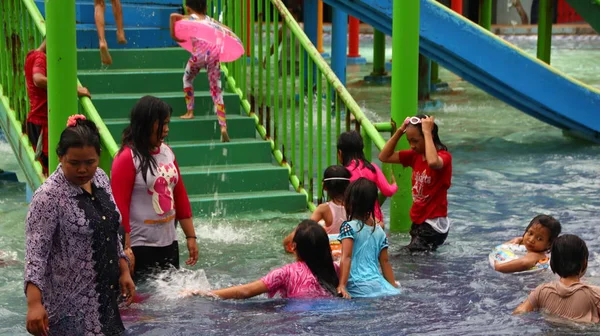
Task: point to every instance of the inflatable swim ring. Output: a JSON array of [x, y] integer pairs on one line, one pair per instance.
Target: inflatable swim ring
[[336, 247], [508, 252], [211, 32]]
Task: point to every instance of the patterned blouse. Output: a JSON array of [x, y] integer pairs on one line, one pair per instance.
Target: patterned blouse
[[73, 253]]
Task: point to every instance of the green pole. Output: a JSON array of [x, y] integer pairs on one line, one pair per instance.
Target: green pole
[[435, 73], [378, 54], [544, 41], [62, 70], [405, 82], [485, 14]]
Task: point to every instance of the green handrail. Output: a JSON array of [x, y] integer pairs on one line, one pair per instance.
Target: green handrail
[[23, 29], [297, 102]]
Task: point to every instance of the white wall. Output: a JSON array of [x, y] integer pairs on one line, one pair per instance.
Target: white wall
[[507, 16]]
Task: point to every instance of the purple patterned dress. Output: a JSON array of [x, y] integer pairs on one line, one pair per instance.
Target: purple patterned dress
[[72, 255]]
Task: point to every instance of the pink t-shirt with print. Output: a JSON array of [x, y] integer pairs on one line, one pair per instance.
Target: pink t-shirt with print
[[295, 281]]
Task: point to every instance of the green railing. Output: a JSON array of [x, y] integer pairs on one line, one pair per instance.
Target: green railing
[[298, 103], [23, 29]]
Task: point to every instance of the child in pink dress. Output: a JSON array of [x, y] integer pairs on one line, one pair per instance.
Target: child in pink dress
[[313, 275]]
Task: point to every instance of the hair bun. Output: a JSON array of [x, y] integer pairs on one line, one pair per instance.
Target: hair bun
[[72, 121]]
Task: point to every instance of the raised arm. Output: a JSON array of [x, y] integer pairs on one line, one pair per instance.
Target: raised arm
[[386, 188], [389, 154], [434, 161]]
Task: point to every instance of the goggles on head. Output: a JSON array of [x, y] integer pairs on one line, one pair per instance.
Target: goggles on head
[[416, 120]]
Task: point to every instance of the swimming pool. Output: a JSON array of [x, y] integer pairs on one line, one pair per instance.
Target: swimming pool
[[508, 167]]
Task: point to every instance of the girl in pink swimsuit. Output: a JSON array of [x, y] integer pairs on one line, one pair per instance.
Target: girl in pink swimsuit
[[313, 275]]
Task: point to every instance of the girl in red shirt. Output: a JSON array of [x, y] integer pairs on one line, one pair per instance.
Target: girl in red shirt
[[432, 173]]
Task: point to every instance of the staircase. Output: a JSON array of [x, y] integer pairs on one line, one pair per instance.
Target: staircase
[[221, 178]]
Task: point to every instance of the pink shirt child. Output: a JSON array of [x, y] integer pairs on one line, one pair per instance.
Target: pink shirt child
[[386, 189], [295, 281]]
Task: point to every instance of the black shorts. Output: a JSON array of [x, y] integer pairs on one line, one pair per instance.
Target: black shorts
[[425, 238], [149, 259], [34, 132]]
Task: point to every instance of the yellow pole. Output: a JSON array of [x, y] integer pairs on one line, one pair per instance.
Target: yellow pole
[[320, 26]]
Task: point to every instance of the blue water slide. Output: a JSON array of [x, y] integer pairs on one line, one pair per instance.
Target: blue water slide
[[493, 65]]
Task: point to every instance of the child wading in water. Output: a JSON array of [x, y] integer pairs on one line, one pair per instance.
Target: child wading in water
[[537, 239], [431, 178], [350, 153], [567, 298], [313, 275], [364, 247], [204, 56], [331, 214]]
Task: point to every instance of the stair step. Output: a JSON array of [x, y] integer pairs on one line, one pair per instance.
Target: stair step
[[235, 203], [235, 178], [137, 37], [151, 58], [214, 152], [140, 80], [200, 128], [114, 105], [151, 15]]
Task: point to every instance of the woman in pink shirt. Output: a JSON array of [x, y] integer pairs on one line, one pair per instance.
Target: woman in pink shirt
[[313, 275], [350, 153]]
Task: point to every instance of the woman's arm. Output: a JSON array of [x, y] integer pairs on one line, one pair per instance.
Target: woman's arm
[[389, 154], [127, 285], [242, 291], [387, 189], [386, 268], [345, 263], [122, 181], [187, 225], [518, 265], [431, 155]]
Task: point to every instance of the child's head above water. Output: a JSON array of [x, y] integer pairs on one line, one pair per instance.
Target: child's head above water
[[350, 147], [414, 135], [541, 233], [196, 6], [569, 256], [335, 181], [311, 245], [360, 199]]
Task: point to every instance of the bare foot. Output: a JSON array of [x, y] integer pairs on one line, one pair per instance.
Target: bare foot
[[187, 115], [121, 37], [104, 54], [224, 135]]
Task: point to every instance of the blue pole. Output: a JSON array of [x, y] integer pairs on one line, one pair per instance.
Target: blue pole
[[311, 12], [339, 43]]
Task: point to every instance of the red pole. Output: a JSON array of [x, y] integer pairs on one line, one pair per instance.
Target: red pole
[[457, 6], [353, 38], [249, 22]]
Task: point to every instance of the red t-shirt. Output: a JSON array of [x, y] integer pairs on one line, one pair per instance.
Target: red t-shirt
[[38, 97], [429, 186]]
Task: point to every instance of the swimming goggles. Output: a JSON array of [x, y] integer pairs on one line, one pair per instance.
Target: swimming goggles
[[336, 178], [415, 120]]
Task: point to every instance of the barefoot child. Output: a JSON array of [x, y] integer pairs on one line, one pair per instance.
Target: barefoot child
[[364, 247], [313, 275], [205, 56], [537, 240], [431, 165], [332, 214], [99, 9], [568, 298]]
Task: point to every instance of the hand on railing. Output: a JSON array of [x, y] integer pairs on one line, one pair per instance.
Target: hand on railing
[[83, 92]]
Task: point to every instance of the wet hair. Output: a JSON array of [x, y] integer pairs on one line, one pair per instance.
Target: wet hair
[[312, 247], [569, 256], [360, 200], [434, 133], [336, 188], [549, 223], [83, 134], [147, 111], [351, 145], [198, 6]]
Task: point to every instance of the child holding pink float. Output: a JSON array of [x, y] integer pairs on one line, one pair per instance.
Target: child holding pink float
[[204, 56]]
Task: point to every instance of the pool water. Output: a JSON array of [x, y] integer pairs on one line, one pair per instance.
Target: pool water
[[508, 167]]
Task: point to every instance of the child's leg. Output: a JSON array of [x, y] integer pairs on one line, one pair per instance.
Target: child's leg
[[118, 13], [213, 69], [99, 9], [191, 70]]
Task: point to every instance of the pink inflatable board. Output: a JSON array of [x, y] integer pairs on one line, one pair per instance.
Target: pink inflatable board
[[211, 32]]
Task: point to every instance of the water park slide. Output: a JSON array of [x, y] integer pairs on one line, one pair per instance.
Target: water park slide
[[589, 11], [495, 66]]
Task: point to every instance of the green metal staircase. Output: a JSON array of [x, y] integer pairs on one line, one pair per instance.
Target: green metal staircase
[[589, 11]]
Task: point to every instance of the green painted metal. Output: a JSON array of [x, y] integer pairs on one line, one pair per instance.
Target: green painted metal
[[589, 10], [378, 54], [485, 14], [544, 41], [405, 77]]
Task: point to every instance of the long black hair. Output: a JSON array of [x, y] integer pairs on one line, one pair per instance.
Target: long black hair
[[83, 134], [569, 256], [360, 199], [336, 179], [146, 112], [198, 6], [312, 247], [351, 145], [434, 133]]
